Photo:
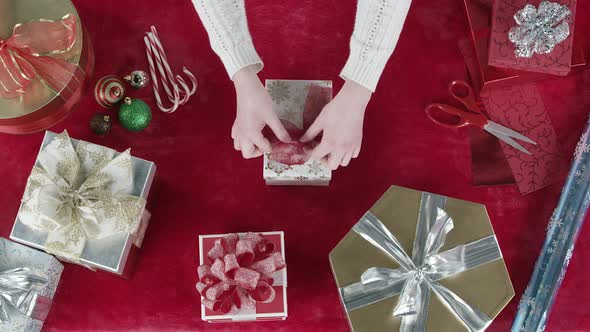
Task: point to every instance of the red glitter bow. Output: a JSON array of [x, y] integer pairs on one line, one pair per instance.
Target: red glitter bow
[[30, 53], [240, 273], [297, 153]]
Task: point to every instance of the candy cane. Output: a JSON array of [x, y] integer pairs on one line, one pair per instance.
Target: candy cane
[[175, 87]]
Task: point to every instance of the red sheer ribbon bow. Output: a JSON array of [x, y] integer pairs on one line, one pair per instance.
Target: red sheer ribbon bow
[[299, 153], [30, 53], [240, 273]]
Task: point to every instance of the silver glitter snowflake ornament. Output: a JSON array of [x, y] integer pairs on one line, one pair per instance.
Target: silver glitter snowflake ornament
[[539, 30]]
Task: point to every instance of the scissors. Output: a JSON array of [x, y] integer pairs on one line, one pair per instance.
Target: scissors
[[474, 116]]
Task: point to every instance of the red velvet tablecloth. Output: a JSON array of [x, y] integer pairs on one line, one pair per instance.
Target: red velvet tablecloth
[[203, 186]]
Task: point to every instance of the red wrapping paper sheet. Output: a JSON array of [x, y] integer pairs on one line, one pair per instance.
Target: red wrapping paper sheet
[[501, 50], [521, 108]]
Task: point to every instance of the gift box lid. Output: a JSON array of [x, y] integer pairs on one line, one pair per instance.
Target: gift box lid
[[112, 253], [39, 94], [398, 210]]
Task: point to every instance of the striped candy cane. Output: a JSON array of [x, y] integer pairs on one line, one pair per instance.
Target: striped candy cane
[[175, 87]]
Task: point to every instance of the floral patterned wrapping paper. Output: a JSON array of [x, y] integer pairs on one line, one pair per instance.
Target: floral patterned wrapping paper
[[13, 255], [110, 253], [297, 112]]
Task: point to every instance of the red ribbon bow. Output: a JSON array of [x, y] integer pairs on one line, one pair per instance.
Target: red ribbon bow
[[240, 273], [29, 53]]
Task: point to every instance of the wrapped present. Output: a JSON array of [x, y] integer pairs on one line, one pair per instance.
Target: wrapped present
[[421, 262], [85, 204], [534, 36], [477, 48], [242, 277], [28, 281], [298, 103], [47, 60]]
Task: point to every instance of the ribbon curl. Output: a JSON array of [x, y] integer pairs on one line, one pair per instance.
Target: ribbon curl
[[240, 273], [418, 274], [75, 195], [19, 292], [30, 53], [539, 30]]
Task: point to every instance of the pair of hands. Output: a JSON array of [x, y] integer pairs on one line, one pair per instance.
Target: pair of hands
[[341, 121]]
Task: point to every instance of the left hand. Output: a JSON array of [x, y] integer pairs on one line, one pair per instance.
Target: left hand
[[341, 122]]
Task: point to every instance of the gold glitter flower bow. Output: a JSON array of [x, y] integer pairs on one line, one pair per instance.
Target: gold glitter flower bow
[[82, 193]]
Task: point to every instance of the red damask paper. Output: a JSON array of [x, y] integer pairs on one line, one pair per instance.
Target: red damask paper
[[501, 50], [521, 108]]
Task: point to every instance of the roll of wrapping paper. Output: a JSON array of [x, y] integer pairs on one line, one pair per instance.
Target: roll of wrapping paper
[[562, 231]]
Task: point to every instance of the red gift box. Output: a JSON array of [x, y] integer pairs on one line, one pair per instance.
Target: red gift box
[[265, 311], [501, 49], [479, 14]]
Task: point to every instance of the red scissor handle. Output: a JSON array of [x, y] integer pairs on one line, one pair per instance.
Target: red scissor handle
[[461, 118], [463, 92]]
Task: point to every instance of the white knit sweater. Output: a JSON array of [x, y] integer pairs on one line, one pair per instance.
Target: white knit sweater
[[376, 32]]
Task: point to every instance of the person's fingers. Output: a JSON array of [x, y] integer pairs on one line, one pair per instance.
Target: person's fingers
[[255, 154], [278, 129], [233, 131], [314, 130], [346, 159], [236, 145], [335, 159], [262, 143], [248, 149], [320, 151], [356, 152]]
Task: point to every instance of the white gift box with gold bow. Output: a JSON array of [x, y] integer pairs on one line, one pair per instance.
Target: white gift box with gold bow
[[85, 204]]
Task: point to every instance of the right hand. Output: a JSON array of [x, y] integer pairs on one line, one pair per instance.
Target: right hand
[[255, 110]]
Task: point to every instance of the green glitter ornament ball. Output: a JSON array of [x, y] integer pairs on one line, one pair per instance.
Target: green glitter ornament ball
[[135, 114]]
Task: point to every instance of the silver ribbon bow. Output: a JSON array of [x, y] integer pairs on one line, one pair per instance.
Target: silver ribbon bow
[[19, 292], [539, 30], [417, 276]]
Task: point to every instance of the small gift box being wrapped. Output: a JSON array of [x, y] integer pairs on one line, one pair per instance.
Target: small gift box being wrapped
[[242, 277], [534, 36], [85, 204], [298, 103], [28, 281], [47, 60], [421, 262]]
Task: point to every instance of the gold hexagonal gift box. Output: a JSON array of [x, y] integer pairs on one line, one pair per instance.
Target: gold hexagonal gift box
[[483, 286]]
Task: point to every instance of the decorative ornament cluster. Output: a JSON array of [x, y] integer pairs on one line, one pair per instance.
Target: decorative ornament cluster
[[135, 114], [539, 30]]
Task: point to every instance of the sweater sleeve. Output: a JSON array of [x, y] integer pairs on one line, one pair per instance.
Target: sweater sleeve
[[377, 28], [227, 27]]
